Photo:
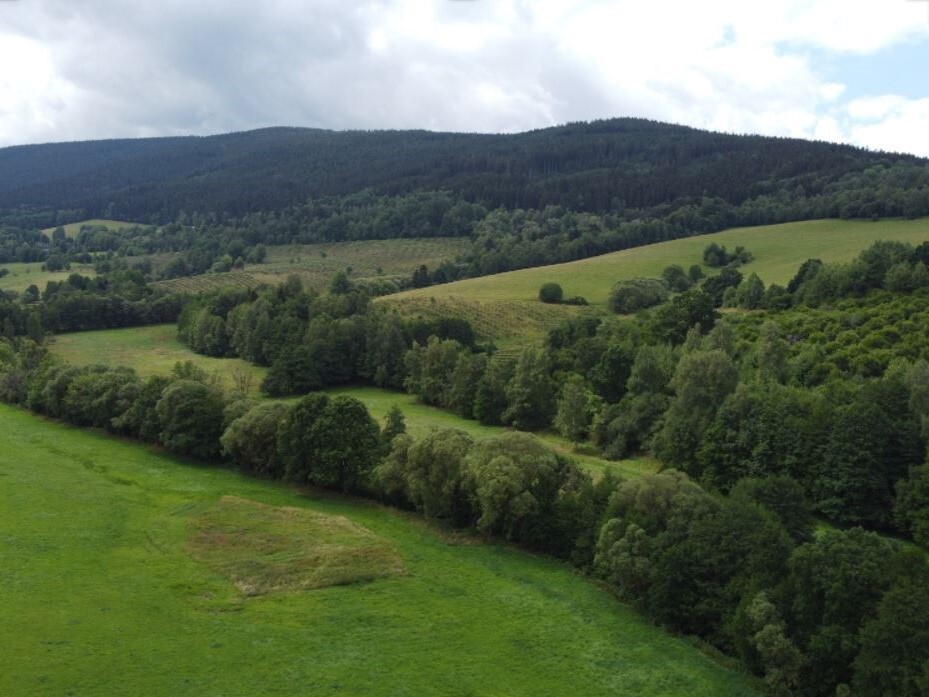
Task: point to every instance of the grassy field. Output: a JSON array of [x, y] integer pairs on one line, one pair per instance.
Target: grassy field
[[155, 350], [421, 418], [22, 276], [71, 229], [316, 264], [150, 351], [106, 590], [507, 305]]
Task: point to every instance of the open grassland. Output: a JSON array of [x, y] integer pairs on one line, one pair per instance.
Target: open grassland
[[507, 305], [23, 275], [316, 264], [102, 593], [150, 351], [71, 229]]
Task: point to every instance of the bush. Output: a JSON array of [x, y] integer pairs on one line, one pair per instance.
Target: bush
[[637, 294], [551, 293]]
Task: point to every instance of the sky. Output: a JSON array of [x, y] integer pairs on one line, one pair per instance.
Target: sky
[[852, 71]]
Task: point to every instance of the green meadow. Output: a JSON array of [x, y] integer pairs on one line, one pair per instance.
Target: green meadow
[[155, 350], [22, 275], [71, 229], [152, 350], [127, 571], [316, 264], [507, 305]]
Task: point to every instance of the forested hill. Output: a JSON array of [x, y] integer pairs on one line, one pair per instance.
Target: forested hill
[[606, 166]]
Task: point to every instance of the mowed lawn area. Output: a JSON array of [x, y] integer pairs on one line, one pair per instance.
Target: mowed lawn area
[[127, 571]]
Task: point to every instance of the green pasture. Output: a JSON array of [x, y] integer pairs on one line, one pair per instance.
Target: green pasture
[[155, 350], [152, 350], [316, 264], [71, 229], [107, 588], [23, 275], [504, 304]]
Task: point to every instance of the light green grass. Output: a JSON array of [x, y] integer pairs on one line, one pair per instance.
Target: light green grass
[[421, 419], [503, 305], [23, 275], [155, 350], [150, 351], [316, 264], [71, 229], [100, 597]]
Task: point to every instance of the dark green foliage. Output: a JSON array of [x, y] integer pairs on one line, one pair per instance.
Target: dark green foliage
[[716, 256], [332, 443], [191, 416], [701, 383], [672, 321], [784, 497], [513, 481], [835, 584], [895, 644], [490, 397], [530, 393], [551, 293], [676, 279], [250, 441], [429, 474], [630, 296], [716, 286], [394, 425]]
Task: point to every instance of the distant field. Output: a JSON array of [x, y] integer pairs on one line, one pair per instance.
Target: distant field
[[22, 276], [316, 264], [149, 350], [507, 305], [420, 419], [155, 350], [71, 229], [119, 576]]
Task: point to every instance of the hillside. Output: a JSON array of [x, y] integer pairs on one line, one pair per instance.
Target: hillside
[[507, 305], [109, 581], [599, 166]]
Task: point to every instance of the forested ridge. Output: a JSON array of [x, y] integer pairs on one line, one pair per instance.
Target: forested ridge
[[602, 166]]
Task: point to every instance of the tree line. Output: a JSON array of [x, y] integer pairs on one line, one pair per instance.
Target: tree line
[[809, 613]]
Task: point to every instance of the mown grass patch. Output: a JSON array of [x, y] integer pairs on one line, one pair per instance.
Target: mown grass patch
[[266, 549]]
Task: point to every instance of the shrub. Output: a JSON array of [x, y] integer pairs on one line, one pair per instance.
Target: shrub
[[551, 293]]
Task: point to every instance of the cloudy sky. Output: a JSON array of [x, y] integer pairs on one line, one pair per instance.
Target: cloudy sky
[[844, 70]]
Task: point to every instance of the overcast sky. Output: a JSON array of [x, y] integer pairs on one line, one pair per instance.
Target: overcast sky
[[855, 71]]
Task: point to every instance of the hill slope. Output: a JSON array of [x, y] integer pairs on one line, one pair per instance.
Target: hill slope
[[501, 305], [599, 166], [107, 591]]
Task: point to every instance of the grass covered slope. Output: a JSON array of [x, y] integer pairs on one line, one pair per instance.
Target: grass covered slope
[[778, 250], [71, 229], [316, 264], [101, 595]]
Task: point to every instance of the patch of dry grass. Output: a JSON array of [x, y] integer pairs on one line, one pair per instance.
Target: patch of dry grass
[[265, 549]]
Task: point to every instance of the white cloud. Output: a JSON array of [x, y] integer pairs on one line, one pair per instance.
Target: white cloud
[[97, 69]]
